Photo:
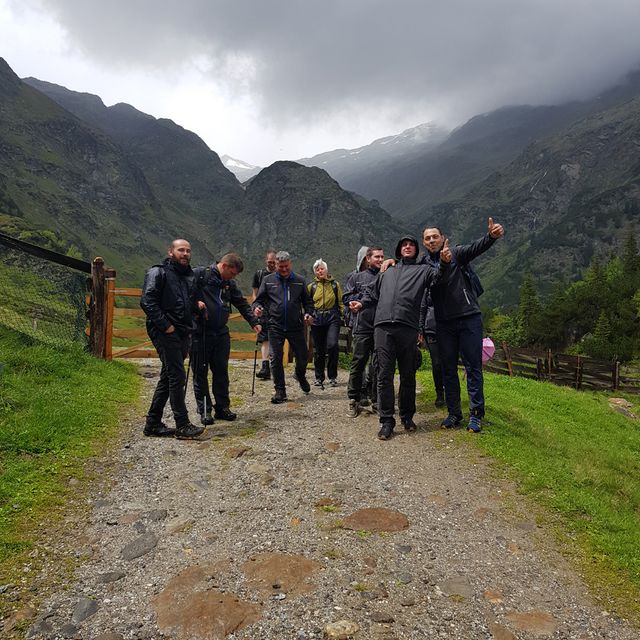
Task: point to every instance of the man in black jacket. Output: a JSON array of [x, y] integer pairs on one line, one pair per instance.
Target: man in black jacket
[[397, 294], [216, 291], [459, 322], [362, 344], [167, 300], [284, 297]]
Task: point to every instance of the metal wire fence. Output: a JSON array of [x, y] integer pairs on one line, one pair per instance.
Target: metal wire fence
[[40, 295]]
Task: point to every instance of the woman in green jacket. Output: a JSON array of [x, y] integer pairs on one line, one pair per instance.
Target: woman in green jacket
[[327, 300]]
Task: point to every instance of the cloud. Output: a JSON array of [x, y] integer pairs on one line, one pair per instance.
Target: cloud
[[310, 61]]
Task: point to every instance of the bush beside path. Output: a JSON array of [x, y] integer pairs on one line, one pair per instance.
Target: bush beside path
[[295, 522]]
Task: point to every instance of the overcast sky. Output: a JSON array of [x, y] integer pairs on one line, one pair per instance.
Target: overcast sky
[[263, 80]]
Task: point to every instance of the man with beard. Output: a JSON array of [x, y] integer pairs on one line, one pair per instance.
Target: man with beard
[[397, 294], [284, 297], [167, 300]]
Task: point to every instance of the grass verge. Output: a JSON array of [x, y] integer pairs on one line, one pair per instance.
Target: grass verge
[[580, 460], [59, 407]]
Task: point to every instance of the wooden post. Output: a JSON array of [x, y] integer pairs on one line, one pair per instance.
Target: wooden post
[[549, 362], [110, 278], [539, 369], [97, 309], [616, 375], [507, 355], [579, 366]]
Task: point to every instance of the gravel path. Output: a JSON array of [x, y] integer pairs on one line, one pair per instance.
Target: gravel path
[[296, 517]]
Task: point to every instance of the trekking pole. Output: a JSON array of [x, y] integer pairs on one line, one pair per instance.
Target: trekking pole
[[203, 364], [255, 362], [186, 382]]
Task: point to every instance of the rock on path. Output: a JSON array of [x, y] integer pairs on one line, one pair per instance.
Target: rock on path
[[295, 522]]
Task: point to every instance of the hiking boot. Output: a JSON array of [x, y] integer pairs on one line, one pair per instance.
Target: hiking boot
[[279, 396], [440, 402], [265, 371], [475, 425], [159, 430], [354, 409], [304, 384], [333, 382], [225, 414], [386, 431], [451, 422], [318, 383], [206, 418], [409, 425], [188, 431], [364, 403]]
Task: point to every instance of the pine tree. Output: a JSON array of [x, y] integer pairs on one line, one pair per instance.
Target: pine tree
[[530, 311]]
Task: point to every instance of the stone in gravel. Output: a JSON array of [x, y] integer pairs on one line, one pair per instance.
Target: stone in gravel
[[129, 518], [292, 572], [69, 630], [139, 547], [157, 515], [39, 628], [514, 548], [383, 617], [622, 406], [110, 576], [408, 602], [188, 608], [178, 525], [18, 617], [501, 633], [370, 561], [404, 578], [403, 548], [376, 519], [332, 446], [236, 452], [537, 622], [494, 597], [84, 609], [457, 587], [341, 630]]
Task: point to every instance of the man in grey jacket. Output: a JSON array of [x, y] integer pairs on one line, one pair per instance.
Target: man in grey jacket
[[397, 295]]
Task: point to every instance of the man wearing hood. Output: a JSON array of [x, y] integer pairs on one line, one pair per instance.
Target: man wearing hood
[[362, 344], [397, 295], [216, 291], [167, 300], [361, 265], [459, 322]]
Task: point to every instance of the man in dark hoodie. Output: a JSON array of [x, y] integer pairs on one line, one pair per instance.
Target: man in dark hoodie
[[216, 291], [284, 297], [167, 300], [397, 295], [362, 344], [459, 322]]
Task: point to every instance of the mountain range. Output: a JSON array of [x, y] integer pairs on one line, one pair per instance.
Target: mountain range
[[112, 180]]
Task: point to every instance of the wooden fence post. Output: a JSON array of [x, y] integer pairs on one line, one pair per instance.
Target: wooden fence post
[[579, 366], [110, 278], [616, 375], [97, 310], [507, 355]]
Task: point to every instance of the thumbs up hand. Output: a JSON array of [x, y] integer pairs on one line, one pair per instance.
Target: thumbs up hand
[[495, 230], [445, 252]]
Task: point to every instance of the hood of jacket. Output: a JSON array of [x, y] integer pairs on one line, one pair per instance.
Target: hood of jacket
[[413, 240], [362, 254]]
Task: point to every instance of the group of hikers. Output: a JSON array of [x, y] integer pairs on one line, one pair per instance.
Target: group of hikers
[[390, 306]]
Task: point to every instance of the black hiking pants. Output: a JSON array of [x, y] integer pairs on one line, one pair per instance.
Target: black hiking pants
[[211, 352], [362, 348], [276, 350]]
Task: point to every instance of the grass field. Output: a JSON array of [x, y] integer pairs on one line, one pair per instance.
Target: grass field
[[580, 461], [58, 408]]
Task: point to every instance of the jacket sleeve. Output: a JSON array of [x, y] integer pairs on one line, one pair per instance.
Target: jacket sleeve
[[371, 292], [424, 306], [340, 297], [238, 301], [261, 296], [307, 300], [465, 253], [351, 289], [151, 298]]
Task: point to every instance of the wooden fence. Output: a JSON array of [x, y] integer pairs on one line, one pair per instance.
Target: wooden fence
[[576, 371]]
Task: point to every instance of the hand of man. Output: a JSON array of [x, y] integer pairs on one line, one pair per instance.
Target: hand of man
[[258, 311], [495, 230], [170, 329], [445, 252], [355, 306], [308, 319], [201, 305], [389, 262], [257, 328]]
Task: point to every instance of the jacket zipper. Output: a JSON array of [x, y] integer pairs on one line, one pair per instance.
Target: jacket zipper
[[466, 296]]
